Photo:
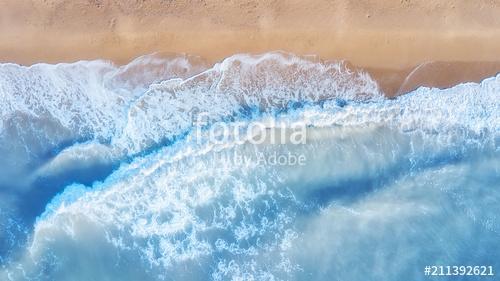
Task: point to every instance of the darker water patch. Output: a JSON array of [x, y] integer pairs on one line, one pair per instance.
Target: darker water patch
[[41, 192]]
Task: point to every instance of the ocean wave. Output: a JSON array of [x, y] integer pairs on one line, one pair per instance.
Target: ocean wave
[[47, 108]]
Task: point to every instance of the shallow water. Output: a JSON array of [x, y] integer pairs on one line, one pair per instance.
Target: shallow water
[[107, 174]]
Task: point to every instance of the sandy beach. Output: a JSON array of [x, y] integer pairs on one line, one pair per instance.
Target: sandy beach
[[402, 44]]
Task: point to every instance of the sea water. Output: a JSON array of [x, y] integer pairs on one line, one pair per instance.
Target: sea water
[[119, 173]]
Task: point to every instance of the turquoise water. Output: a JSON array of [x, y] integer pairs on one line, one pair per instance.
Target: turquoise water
[[107, 174]]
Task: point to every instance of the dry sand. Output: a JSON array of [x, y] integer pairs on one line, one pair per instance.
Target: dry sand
[[453, 41]]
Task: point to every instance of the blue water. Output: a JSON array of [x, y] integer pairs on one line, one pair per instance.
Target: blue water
[[106, 176]]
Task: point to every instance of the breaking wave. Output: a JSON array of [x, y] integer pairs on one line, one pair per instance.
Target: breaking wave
[[105, 176]]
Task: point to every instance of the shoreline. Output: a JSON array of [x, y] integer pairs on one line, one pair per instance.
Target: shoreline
[[392, 82], [440, 43]]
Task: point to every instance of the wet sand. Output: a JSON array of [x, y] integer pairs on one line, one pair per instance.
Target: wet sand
[[440, 43]]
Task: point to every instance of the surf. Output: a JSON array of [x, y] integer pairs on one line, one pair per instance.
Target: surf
[[172, 204]]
